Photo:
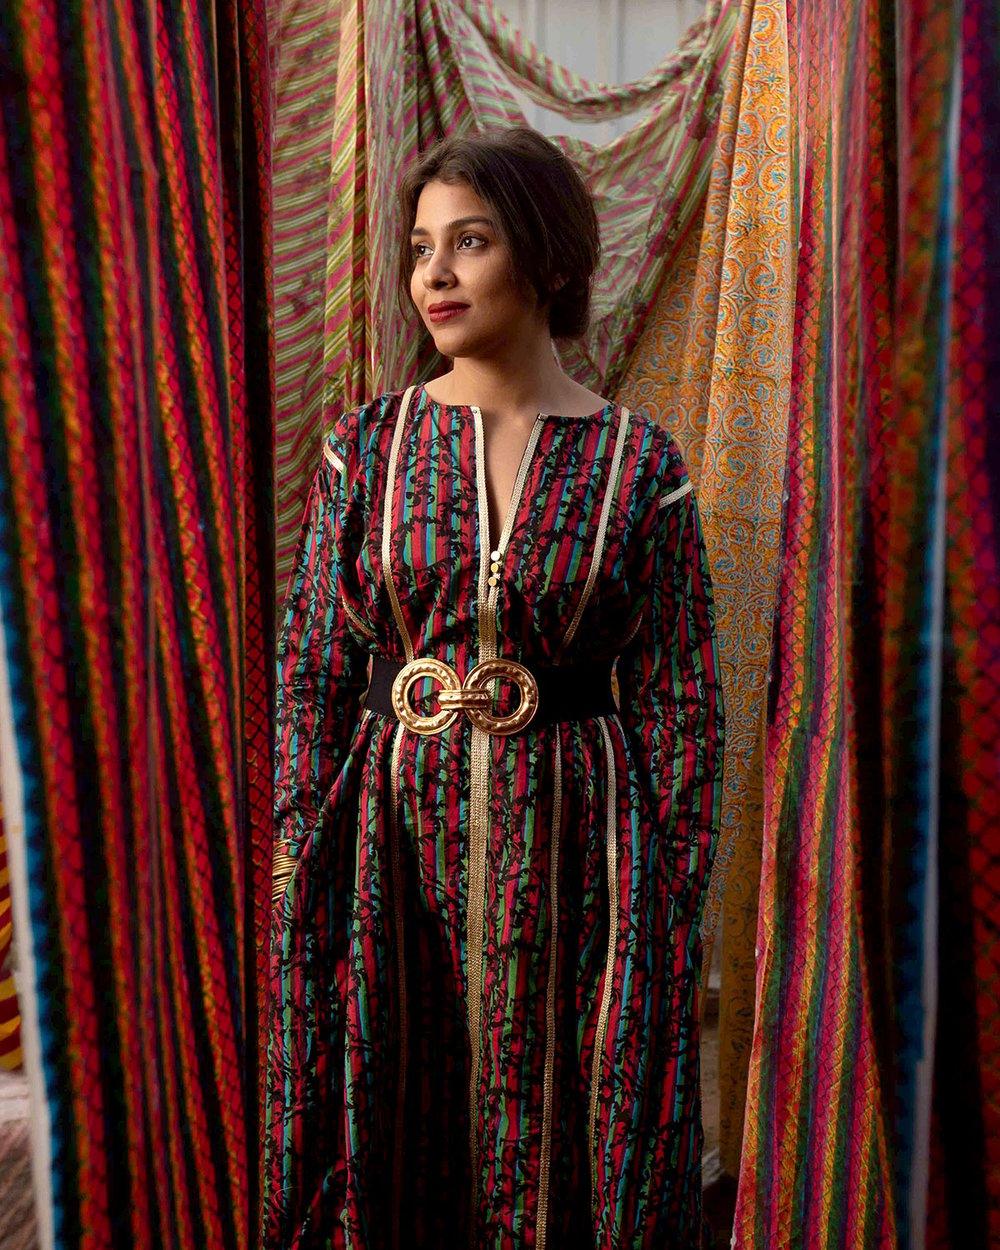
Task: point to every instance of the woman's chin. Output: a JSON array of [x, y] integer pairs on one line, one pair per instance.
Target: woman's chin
[[450, 343]]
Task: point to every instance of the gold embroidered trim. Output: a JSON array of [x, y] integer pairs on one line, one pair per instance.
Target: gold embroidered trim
[[395, 867], [486, 546], [518, 487], [397, 438], [480, 762], [475, 906], [602, 1015], [333, 458], [356, 620], [487, 620], [675, 494], [602, 530], [282, 871], [478, 831], [397, 907], [545, 1158]]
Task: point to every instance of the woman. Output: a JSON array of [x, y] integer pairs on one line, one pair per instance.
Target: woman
[[489, 878]]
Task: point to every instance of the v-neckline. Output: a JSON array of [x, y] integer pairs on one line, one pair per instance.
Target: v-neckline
[[486, 544], [482, 477]]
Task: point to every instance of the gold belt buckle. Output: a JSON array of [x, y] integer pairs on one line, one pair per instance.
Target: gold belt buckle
[[473, 696]]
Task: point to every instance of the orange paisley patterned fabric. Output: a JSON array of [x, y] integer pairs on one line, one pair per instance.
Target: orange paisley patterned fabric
[[713, 366]]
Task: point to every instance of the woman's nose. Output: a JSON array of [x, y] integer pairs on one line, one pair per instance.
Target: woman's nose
[[437, 272]]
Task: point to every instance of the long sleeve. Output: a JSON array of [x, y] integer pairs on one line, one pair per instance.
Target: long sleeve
[[322, 670], [671, 698]]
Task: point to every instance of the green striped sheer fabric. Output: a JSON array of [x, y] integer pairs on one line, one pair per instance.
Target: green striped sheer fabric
[[360, 91]]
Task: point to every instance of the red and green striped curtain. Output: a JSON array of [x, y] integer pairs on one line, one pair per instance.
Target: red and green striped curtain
[[136, 586], [873, 1116]]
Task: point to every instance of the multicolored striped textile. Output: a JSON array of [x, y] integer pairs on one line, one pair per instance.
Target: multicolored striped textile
[[874, 1101], [847, 465], [948, 376], [816, 1167], [483, 1027], [136, 543], [10, 1019]]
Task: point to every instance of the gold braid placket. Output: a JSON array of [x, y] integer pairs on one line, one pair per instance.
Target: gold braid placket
[[602, 1015], [480, 765], [478, 831], [402, 1012], [397, 438], [396, 867], [480, 782], [480, 815]]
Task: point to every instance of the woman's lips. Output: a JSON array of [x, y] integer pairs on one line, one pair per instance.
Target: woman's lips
[[445, 312]]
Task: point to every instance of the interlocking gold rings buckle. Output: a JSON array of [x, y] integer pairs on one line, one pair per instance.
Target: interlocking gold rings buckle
[[473, 696]]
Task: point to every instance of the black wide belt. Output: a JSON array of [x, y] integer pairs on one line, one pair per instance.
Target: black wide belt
[[565, 692]]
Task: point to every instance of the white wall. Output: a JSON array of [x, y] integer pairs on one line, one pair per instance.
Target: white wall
[[602, 40]]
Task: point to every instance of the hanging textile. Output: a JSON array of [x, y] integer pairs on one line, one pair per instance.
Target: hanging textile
[[847, 469], [309, 40], [874, 1102], [815, 1164], [136, 549], [10, 1020], [948, 369], [713, 365]]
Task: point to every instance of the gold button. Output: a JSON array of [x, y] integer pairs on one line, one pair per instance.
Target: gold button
[[493, 581]]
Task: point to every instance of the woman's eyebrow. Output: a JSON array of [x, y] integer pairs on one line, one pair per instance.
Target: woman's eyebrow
[[453, 225]]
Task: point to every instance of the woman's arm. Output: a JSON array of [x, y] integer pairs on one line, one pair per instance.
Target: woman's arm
[[671, 697], [322, 671]]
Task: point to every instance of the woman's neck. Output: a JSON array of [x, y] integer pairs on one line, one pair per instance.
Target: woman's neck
[[524, 383]]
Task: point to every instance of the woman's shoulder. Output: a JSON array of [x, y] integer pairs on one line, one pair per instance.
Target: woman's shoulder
[[354, 429], [658, 456]]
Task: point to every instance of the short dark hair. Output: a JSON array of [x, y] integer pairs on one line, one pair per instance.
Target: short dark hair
[[544, 209]]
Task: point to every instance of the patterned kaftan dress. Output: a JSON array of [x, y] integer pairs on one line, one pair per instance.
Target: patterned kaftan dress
[[486, 948]]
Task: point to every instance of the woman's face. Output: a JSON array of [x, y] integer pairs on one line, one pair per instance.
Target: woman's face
[[463, 281]]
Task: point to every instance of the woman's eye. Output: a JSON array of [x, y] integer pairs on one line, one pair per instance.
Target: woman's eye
[[420, 250], [470, 240]]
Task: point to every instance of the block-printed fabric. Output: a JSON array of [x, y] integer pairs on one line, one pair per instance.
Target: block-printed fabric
[[576, 992]]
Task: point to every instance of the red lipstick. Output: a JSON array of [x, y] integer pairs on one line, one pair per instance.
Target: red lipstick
[[445, 310]]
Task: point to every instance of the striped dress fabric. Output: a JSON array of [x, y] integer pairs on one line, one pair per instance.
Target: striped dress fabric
[[486, 949]]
